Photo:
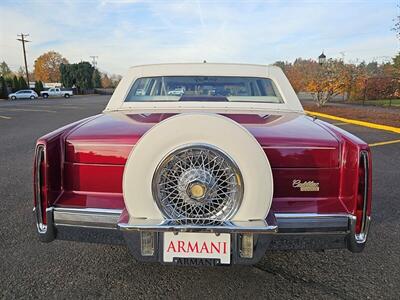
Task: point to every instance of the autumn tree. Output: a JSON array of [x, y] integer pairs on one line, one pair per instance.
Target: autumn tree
[[355, 77], [47, 66], [115, 79], [299, 73], [329, 81], [395, 67], [106, 81]]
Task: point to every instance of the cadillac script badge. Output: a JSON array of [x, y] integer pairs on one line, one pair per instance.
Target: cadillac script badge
[[306, 186]]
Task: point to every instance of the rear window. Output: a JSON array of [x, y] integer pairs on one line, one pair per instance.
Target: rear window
[[204, 88]]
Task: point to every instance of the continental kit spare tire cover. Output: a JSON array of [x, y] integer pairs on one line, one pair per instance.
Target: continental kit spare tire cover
[[198, 165]]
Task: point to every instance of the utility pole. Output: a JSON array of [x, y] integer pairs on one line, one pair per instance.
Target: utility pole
[[23, 40], [94, 62]]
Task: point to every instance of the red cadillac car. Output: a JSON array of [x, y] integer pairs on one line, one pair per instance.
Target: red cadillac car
[[204, 164]]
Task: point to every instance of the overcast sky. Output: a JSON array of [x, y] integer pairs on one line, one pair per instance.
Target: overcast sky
[[126, 33]]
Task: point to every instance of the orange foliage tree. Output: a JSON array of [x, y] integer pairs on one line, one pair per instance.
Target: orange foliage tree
[[354, 81], [330, 80], [106, 81], [47, 66]]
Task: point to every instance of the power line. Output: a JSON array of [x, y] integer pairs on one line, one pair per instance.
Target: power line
[[94, 61], [23, 40]]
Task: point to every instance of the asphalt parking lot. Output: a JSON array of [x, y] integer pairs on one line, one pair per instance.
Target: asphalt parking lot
[[61, 269]]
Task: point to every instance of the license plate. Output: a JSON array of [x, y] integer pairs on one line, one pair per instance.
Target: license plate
[[197, 245]]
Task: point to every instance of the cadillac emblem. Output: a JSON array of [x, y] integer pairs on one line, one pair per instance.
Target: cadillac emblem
[[306, 186]]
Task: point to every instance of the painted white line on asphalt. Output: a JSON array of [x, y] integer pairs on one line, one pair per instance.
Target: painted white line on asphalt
[[5, 117], [28, 110]]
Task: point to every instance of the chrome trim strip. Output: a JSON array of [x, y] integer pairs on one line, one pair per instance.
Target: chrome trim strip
[[261, 227], [40, 156], [313, 222], [89, 210], [299, 147], [101, 145], [309, 215], [87, 217], [359, 238], [364, 161]]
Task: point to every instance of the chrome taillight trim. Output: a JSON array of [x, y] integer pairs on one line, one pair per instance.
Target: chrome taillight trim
[[365, 219], [40, 156]]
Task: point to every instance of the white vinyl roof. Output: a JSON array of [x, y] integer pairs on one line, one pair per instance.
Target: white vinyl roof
[[291, 102]]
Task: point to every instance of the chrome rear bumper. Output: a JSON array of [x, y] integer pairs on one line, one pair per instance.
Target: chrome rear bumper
[[285, 231]]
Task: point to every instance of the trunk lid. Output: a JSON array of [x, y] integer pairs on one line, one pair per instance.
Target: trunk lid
[[289, 140]]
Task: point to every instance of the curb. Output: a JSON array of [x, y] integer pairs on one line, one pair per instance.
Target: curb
[[355, 122]]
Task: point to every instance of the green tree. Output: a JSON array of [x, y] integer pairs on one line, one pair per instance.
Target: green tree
[[96, 79], [67, 77], [3, 88], [15, 84], [5, 70], [38, 86], [22, 83], [80, 75], [9, 82], [41, 87]]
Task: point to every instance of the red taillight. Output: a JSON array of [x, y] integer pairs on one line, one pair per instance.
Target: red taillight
[[362, 194]]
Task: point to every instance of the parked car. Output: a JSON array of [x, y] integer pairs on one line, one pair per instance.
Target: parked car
[[197, 179], [23, 94], [56, 92], [179, 91]]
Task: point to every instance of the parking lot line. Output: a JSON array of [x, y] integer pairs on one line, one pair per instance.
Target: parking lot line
[[5, 117], [28, 110], [355, 122], [384, 143]]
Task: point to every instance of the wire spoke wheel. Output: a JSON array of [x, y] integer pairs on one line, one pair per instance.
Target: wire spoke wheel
[[196, 184]]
